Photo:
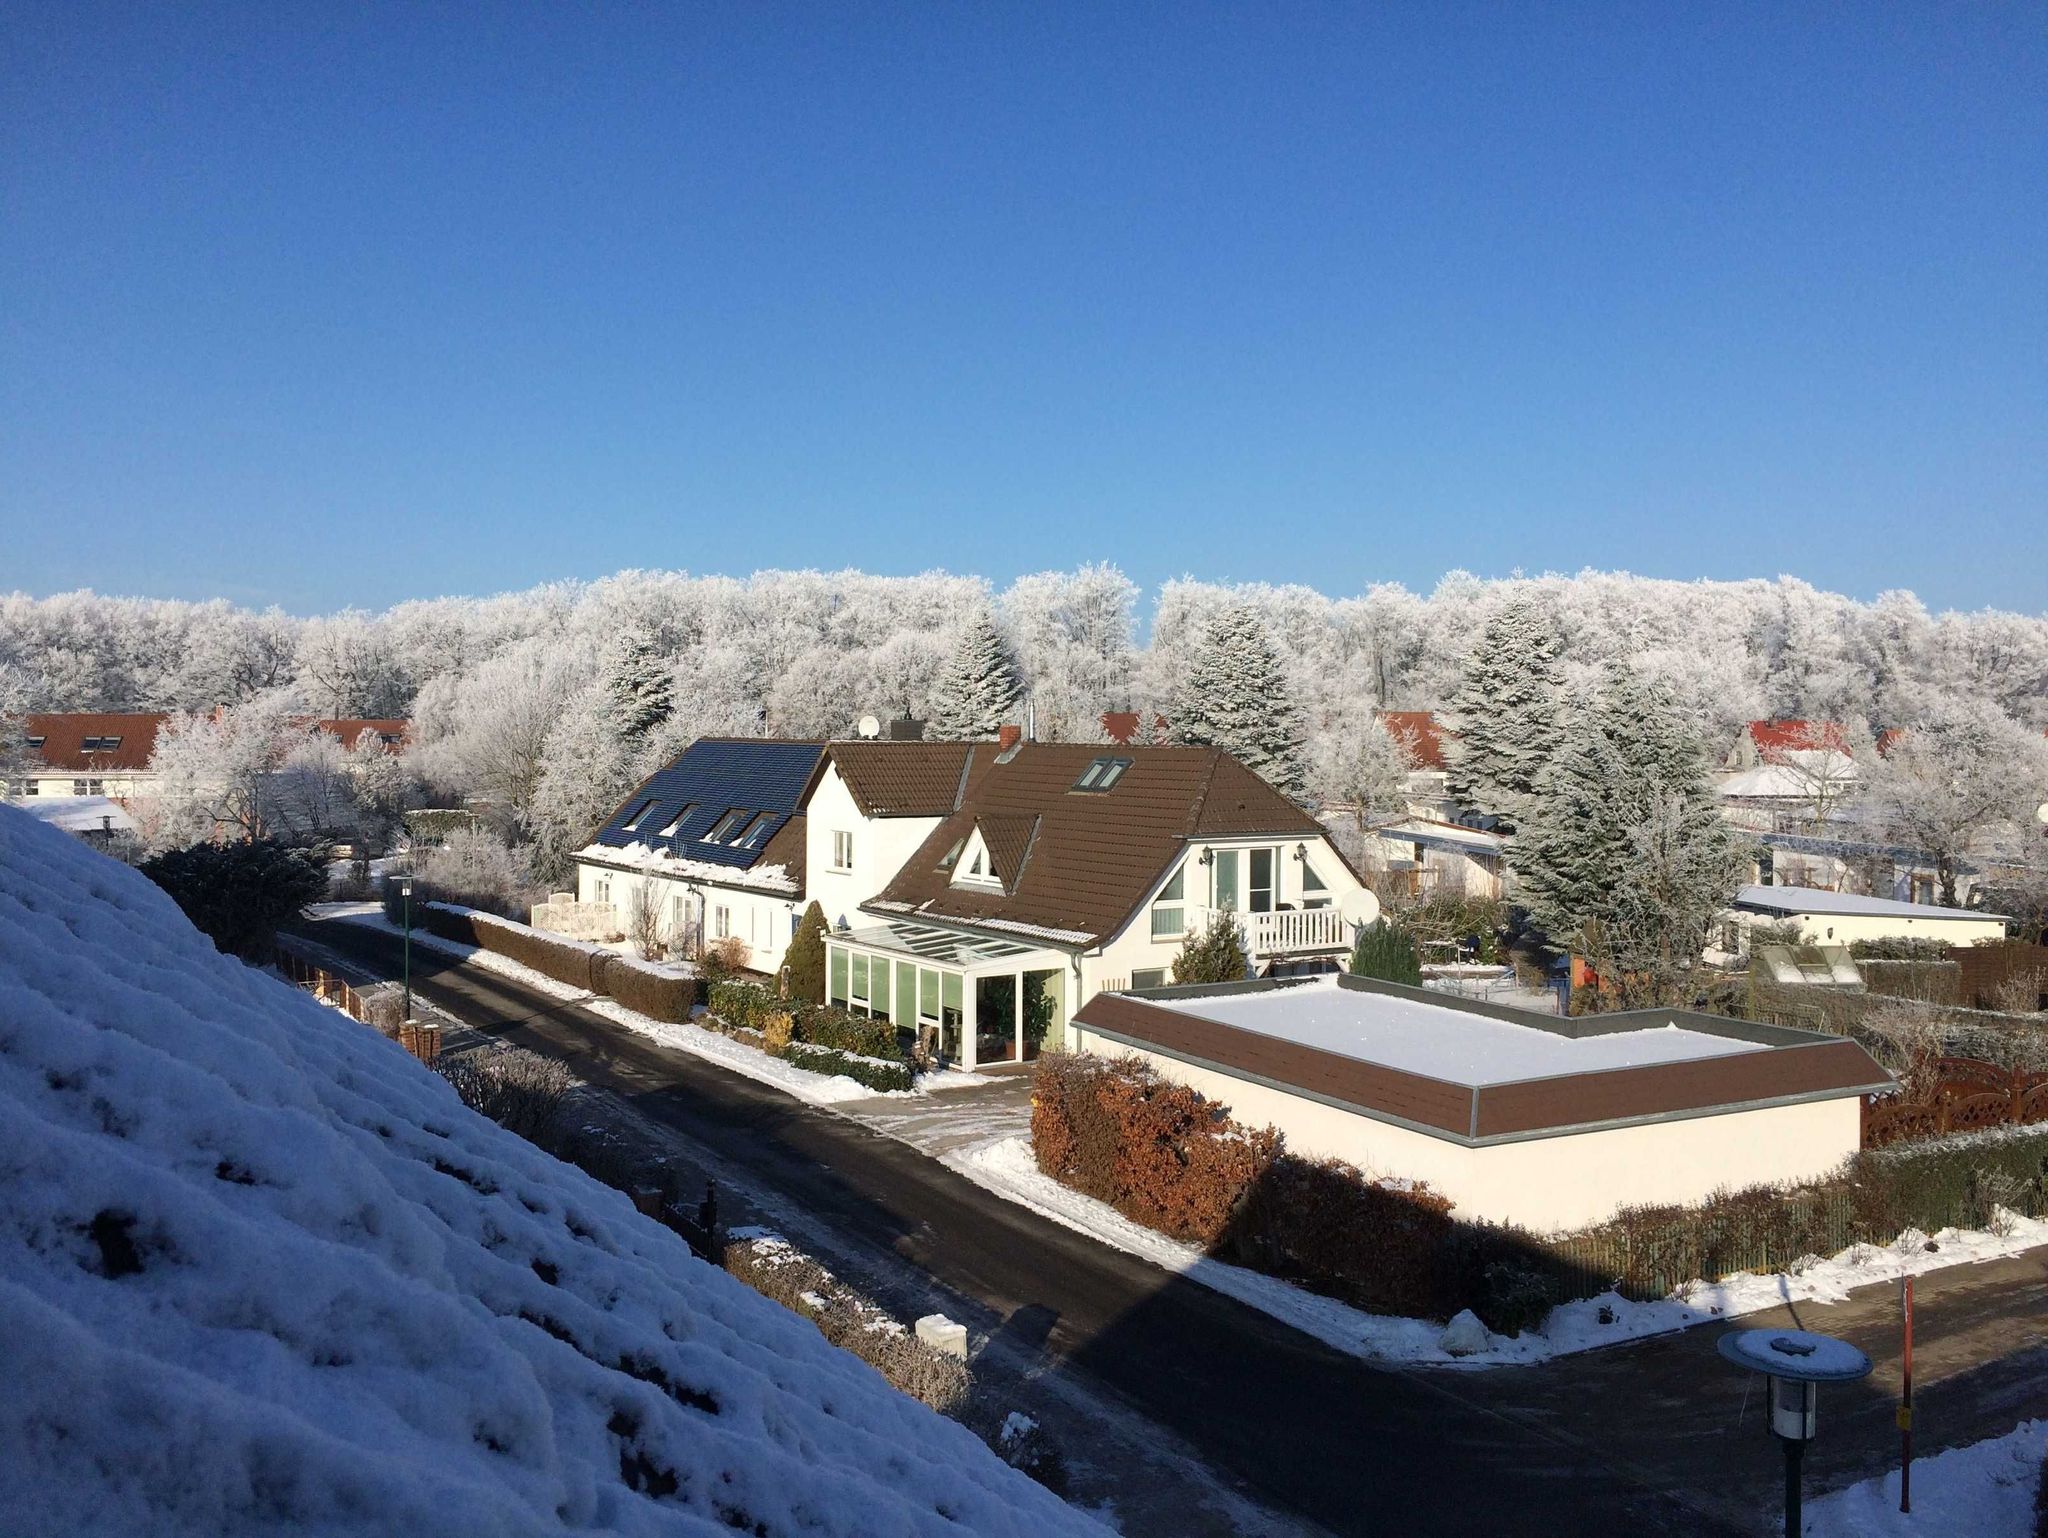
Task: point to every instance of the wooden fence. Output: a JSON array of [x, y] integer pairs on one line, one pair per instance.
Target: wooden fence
[[1957, 1094], [423, 1041]]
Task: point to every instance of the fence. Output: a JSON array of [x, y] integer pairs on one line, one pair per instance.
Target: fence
[[423, 1041], [1958, 1094]]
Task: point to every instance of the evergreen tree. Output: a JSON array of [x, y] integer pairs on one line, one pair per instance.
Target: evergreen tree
[[977, 691], [1236, 698], [1214, 954], [1622, 852], [239, 895], [639, 684], [803, 964], [1385, 952], [1504, 717]]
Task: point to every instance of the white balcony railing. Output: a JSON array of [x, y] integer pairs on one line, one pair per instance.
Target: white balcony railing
[[1291, 932]]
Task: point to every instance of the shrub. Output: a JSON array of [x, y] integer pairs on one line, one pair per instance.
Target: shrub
[[432, 824], [471, 870], [1900, 948], [1386, 953], [646, 989], [746, 1005], [775, 1029], [823, 1025], [804, 962], [521, 1091], [725, 957], [862, 1070], [239, 895], [1213, 954]]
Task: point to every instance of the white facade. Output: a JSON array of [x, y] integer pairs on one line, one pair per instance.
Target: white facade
[[1843, 918], [849, 856], [688, 908]]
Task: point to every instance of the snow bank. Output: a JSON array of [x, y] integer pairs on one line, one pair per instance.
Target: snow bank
[[263, 1272], [1985, 1490]]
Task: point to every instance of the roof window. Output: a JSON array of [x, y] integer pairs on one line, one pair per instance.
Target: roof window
[[36, 743], [668, 829], [728, 825], [91, 744], [1102, 773], [639, 812], [758, 830]]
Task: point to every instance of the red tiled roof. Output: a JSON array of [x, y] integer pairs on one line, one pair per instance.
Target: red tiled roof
[[1792, 736], [1417, 729], [906, 779], [350, 728], [64, 738]]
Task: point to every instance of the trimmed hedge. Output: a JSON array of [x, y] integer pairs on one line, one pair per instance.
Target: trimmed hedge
[[1900, 948], [1163, 1156], [862, 1070], [749, 1005], [647, 988]]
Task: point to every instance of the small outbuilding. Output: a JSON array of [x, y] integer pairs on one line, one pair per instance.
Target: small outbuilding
[[1842, 918], [1518, 1117]]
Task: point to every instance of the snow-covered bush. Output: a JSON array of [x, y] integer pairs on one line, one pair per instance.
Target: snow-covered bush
[[471, 869], [521, 1091], [1214, 953]]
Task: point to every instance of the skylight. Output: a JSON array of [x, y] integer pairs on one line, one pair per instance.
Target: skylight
[[728, 825], [1102, 773], [668, 828], [97, 744], [640, 811], [751, 839]]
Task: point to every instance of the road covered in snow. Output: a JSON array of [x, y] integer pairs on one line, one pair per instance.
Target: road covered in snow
[[262, 1272]]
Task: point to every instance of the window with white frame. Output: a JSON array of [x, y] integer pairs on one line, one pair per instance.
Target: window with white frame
[[601, 889], [721, 922], [842, 850], [1314, 892], [1169, 908], [757, 830], [975, 868]]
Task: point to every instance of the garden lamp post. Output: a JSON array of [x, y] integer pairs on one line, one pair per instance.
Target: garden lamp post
[[1795, 1363], [405, 901]]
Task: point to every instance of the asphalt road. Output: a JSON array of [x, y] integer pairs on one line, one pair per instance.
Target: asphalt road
[[1308, 1430]]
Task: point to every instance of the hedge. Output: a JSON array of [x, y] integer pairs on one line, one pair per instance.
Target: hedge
[[644, 987], [647, 988], [749, 1005], [862, 1070], [1163, 1156]]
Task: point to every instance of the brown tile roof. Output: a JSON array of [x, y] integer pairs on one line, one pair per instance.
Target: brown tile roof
[[787, 849], [350, 728], [1774, 738], [906, 779], [64, 738], [1093, 857]]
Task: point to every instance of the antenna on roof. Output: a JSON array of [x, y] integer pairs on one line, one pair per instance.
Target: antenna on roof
[[869, 727]]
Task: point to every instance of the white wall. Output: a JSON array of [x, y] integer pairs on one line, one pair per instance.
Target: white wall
[[1545, 1184], [764, 921], [1134, 949], [880, 846], [1844, 929]]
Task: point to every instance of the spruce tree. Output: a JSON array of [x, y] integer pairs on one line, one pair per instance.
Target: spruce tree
[[1213, 954], [803, 965], [1237, 699], [1622, 852], [1385, 952], [639, 684], [1504, 718], [978, 689]]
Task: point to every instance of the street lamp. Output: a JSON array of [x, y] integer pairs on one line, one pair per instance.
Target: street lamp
[[1795, 1363], [405, 900]]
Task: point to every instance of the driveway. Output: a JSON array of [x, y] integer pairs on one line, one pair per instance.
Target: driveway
[[1642, 1439]]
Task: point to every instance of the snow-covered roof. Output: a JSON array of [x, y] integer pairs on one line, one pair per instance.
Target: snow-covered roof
[[1787, 781], [1428, 830], [78, 814], [1801, 899], [263, 1272], [1442, 1042], [659, 862]]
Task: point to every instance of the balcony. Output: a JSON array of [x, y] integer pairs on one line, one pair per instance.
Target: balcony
[[1290, 932]]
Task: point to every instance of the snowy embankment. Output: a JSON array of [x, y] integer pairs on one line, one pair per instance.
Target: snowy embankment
[[1985, 1490], [1008, 1169], [263, 1272], [747, 1061]]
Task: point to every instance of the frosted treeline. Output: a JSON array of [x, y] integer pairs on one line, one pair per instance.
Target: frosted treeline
[[809, 653]]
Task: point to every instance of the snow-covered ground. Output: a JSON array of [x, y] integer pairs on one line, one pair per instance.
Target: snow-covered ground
[[1008, 1169], [1985, 1490], [747, 1061], [262, 1272]]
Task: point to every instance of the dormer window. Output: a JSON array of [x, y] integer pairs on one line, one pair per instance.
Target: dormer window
[[639, 812], [728, 826], [668, 829], [974, 866], [1102, 773]]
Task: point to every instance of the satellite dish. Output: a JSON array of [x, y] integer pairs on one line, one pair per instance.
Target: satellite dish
[[2041, 812], [869, 726], [1359, 907]]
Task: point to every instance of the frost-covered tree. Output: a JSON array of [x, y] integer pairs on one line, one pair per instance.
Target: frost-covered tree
[[1356, 762], [639, 684], [504, 715], [588, 768], [1073, 634], [215, 774], [1961, 778], [978, 690], [15, 758], [312, 795], [1622, 852], [1236, 699], [1503, 719]]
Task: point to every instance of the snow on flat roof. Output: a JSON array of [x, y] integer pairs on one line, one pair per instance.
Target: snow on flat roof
[[1801, 899], [1442, 1043]]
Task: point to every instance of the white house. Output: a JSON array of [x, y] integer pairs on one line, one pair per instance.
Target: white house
[[1062, 869], [1843, 918], [714, 844]]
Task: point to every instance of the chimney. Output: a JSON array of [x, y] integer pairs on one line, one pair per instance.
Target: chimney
[[905, 729], [1120, 726], [1007, 737]]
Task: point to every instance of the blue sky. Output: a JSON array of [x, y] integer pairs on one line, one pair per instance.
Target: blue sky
[[318, 305]]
